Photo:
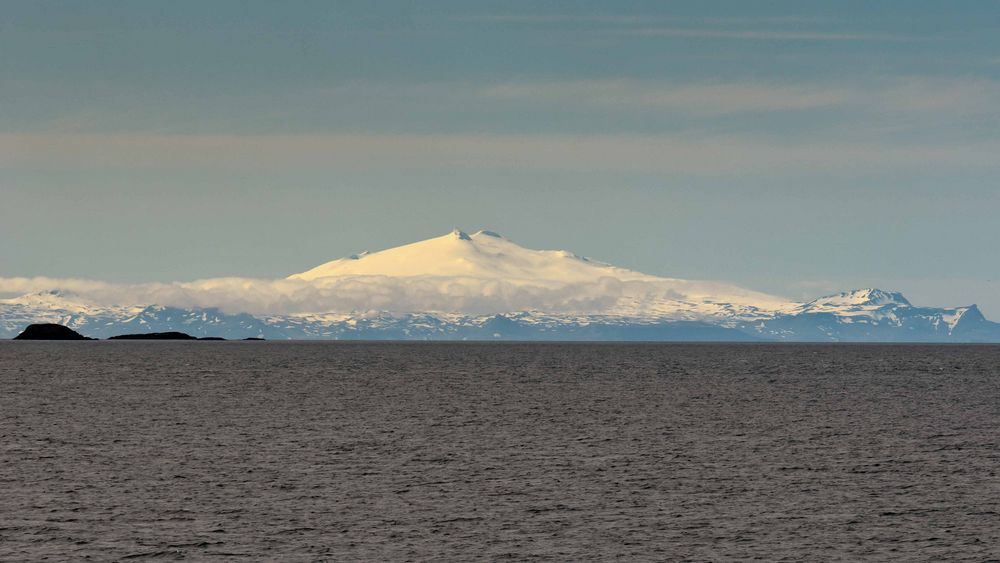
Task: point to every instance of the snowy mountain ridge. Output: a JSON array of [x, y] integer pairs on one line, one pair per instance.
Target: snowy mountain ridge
[[484, 286]]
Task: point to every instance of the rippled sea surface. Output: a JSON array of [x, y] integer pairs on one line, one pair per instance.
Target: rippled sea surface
[[365, 451]]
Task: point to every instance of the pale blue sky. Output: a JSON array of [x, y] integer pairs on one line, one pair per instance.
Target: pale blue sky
[[791, 147]]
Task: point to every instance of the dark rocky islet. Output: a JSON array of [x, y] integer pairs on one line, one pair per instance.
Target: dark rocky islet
[[172, 335], [49, 331]]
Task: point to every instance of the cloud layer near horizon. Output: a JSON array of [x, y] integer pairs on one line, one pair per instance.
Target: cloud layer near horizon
[[351, 294]]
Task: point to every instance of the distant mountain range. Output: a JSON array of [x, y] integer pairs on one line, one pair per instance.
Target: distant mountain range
[[485, 287]]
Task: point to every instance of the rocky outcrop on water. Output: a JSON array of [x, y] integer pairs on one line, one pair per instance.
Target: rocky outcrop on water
[[173, 335], [154, 336], [50, 331]]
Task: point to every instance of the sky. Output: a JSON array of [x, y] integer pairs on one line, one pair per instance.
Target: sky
[[794, 148]]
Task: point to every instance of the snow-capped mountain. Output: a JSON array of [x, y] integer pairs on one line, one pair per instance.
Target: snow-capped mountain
[[877, 315], [484, 286], [489, 269], [484, 255]]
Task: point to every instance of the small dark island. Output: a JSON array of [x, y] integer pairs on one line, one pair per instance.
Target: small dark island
[[50, 331], [154, 336], [163, 336]]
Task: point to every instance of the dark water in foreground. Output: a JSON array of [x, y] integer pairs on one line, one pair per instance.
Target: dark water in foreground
[[324, 451]]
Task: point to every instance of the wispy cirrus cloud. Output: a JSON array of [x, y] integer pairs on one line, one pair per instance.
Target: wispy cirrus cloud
[[686, 153], [701, 99], [781, 28], [620, 19], [541, 19], [558, 105], [927, 95], [759, 35]]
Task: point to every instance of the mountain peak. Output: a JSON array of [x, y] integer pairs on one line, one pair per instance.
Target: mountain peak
[[873, 296], [866, 297], [460, 234], [52, 296], [971, 312]]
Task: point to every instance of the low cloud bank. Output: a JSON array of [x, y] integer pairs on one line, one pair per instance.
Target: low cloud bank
[[354, 294]]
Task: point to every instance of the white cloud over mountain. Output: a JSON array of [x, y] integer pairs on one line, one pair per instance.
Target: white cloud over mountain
[[361, 293]]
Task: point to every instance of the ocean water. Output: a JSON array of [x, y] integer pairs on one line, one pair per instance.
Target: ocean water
[[385, 451]]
